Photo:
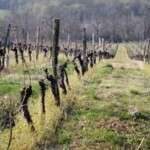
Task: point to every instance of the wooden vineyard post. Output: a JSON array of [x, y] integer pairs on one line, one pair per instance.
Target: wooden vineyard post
[[68, 41], [99, 42], [84, 51], [144, 53], [55, 52], [37, 42], [24, 36], [148, 52], [5, 45], [103, 44], [93, 41], [84, 43]]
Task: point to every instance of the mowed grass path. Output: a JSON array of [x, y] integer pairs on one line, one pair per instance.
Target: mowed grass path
[[101, 118]]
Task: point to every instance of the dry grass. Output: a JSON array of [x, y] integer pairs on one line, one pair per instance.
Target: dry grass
[[122, 60], [45, 125]]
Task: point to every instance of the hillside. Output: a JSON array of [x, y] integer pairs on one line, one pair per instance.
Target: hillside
[[123, 20]]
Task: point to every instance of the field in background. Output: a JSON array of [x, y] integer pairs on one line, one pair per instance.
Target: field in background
[[3, 14]]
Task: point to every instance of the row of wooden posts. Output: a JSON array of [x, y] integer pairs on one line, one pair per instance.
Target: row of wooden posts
[[4, 58], [26, 91]]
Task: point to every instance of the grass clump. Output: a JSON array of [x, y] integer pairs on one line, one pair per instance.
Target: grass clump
[[64, 137]]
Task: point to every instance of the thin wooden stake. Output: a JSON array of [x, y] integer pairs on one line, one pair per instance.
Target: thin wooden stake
[[37, 42], [85, 65], [84, 43]]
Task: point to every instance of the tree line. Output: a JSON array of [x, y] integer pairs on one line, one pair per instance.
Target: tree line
[[114, 20]]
